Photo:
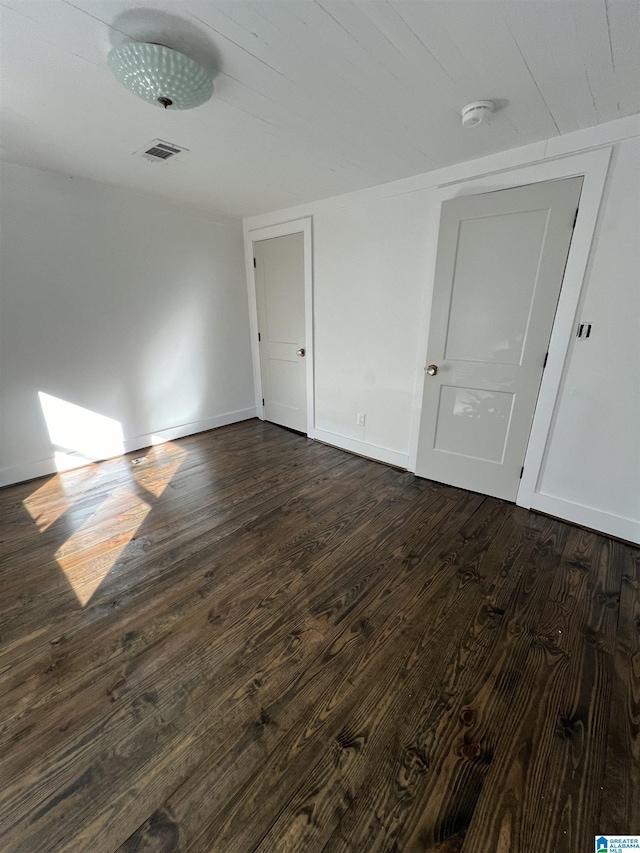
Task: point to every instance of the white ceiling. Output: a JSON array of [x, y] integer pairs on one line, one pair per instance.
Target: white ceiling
[[312, 97]]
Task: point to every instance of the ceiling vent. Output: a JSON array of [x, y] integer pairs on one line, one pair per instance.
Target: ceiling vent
[[159, 151]]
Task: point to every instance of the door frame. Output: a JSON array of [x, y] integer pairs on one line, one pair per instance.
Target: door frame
[[593, 167], [255, 235]]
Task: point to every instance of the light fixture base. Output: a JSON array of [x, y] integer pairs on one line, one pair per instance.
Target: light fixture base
[[161, 76], [476, 113]]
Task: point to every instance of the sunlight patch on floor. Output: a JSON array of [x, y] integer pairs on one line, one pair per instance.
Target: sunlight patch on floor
[[48, 503], [85, 576], [172, 458], [87, 556]]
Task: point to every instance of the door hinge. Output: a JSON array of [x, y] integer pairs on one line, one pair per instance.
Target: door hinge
[[263, 401], [258, 335], [521, 472], [254, 263], [575, 219], [545, 360]]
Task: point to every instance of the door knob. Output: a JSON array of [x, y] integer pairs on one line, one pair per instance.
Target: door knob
[[300, 352], [432, 369]]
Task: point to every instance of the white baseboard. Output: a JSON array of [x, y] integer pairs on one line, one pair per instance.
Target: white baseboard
[[586, 516], [170, 434], [27, 471], [46, 467], [362, 448]]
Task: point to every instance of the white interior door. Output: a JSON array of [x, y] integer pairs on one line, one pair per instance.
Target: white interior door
[[279, 274], [499, 268]]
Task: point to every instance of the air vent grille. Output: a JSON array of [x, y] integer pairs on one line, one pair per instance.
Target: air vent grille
[[159, 151]]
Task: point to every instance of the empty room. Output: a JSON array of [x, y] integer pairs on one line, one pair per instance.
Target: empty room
[[319, 426]]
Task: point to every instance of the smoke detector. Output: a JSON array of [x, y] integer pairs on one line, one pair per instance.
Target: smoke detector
[[476, 113], [159, 151]]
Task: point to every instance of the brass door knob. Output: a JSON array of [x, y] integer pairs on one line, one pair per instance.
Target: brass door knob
[[432, 369]]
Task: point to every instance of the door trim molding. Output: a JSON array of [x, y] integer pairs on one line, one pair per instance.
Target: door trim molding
[[254, 235], [593, 166]]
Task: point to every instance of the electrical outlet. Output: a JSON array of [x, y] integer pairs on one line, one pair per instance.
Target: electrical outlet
[[360, 419]]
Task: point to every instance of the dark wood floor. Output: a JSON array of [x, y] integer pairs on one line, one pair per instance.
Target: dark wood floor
[[252, 642]]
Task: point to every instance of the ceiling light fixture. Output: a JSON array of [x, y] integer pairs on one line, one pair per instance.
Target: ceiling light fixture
[[476, 113], [160, 75]]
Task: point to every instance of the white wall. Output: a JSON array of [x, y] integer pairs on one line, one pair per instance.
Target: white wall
[[593, 455], [372, 267], [369, 263], [129, 307]]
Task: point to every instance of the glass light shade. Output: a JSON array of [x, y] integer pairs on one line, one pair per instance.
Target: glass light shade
[[161, 76]]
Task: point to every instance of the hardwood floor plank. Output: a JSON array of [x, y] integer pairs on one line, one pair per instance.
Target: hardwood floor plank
[[261, 688], [539, 793], [45, 497], [183, 534], [123, 640], [41, 603], [620, 807], [426, 782], [197, 479], [427, 745], [387, 721], [362, 635], [274, 645], [383, 496]]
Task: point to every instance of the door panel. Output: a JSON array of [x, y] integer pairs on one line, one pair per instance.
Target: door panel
[[487, 321], [471, 422], [285, 383], [499, 268], [279, 280]]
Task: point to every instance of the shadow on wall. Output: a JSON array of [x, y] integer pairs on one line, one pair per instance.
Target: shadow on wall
[[172, 376]]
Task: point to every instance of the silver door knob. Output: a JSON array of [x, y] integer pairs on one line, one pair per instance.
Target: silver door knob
[[432, 369], [300, 352]]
